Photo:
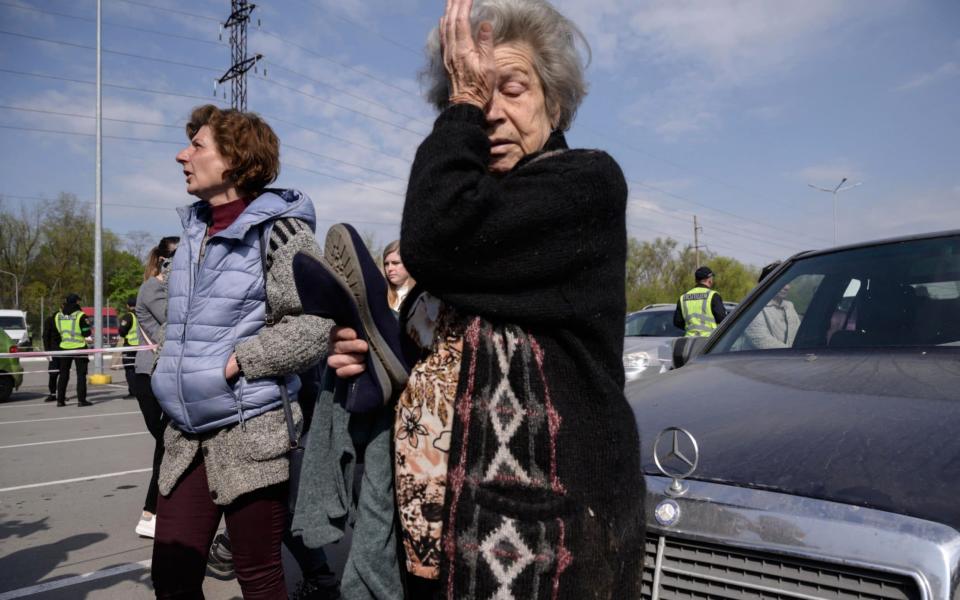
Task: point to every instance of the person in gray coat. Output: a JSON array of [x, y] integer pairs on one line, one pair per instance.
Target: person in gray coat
[[235, 337], [151, 312]]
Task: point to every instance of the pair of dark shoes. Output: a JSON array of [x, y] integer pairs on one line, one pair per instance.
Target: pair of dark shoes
[[220, 559], [347, 286], [321, 586]]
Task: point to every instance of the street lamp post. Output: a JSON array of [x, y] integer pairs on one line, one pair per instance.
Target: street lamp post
[[840, 188], [16, 288]]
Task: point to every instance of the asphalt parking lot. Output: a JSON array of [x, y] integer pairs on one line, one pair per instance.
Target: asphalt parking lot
[[72, 484]]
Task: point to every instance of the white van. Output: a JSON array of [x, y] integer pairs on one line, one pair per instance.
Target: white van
[[14, 323]]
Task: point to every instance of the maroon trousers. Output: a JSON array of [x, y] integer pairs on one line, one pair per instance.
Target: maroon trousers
[[187, 521]]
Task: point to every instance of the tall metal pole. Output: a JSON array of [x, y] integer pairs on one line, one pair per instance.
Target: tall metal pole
[[834, 191], [98, 226]]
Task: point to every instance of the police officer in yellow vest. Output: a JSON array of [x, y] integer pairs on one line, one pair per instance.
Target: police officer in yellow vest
[[701, 309], [74, 329], [129, 331]]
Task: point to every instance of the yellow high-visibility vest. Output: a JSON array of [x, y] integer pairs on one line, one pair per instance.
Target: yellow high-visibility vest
[[697, 316], [69, 327], [133, 336]]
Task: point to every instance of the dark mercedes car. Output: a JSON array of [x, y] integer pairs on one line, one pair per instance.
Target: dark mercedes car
[[812, 448]]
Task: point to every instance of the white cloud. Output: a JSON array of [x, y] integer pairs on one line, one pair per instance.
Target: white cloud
[[701, 51], [941, 73], [873, 215], [829, 174]]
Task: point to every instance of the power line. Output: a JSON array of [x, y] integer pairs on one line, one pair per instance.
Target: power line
[[340, 106], [78, 133], [134, 122], [725, 212], [362, 26], [343, 162], [344, 179], [791, 247], [654, 230], [80, 116], [751, 235], [346, 92], [110, 85], [681, 167], [170, 10], [338, 63], [406, 160], [112, 24], [105, 51]]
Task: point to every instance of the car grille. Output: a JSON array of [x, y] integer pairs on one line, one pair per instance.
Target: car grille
[[688, 570]]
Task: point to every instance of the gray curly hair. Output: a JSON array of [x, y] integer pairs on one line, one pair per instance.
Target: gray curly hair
[[553, 39]]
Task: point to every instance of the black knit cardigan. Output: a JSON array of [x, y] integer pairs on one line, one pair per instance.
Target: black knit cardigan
[[545, 492]]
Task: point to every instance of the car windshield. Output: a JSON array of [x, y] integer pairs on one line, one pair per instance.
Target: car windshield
[[12, 322], [654, 323], [894, 295]]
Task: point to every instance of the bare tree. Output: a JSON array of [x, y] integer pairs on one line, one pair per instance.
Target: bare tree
[[139, 243], [20, 240]]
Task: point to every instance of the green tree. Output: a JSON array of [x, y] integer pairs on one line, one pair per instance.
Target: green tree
[[49, 245], [660, 271]]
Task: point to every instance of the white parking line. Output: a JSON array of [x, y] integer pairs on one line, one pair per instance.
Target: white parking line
[[100, 398], [98, 437], [132, 412], [76, 580], [74, 480]]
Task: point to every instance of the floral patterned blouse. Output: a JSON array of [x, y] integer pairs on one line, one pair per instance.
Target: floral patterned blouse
[[422, 433]]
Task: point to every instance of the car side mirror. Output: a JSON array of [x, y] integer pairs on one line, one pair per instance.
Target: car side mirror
[[685, 349]]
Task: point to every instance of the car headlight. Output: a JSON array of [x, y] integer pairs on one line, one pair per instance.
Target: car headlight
[[636, 360]]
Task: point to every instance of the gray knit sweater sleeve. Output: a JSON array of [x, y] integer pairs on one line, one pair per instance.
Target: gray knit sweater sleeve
[[151, 314], [295, 341]]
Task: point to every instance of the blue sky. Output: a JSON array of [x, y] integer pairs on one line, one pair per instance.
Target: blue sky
[[725, 109]]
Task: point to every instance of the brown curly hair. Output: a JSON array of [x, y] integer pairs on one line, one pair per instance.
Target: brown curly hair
[[245, 141]]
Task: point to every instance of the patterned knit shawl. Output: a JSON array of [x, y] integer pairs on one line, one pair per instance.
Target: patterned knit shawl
[[507, 507]]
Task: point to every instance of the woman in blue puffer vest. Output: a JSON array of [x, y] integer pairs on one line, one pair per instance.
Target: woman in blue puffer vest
[[235, 338]]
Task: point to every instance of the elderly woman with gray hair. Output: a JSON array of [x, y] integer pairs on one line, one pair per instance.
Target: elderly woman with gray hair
[[517, 457]]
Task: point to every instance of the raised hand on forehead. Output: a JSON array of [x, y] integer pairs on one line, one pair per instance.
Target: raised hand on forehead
[[469, 62]]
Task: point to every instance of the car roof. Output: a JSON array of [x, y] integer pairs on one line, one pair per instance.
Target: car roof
[[8, 312], [650, 309], [880, 242]]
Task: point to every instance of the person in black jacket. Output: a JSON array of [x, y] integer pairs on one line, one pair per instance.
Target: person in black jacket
[[517, 456], [704, 324], [74, 329], [51, 342], [130, 334]]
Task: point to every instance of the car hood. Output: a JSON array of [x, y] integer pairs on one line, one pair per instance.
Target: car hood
[[636, 343], [874, 428]]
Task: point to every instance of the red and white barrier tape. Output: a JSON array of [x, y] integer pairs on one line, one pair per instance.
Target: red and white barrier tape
[[80, 352]]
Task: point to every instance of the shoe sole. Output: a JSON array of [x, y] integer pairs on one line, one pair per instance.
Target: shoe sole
[[341, 255], [221, 575]]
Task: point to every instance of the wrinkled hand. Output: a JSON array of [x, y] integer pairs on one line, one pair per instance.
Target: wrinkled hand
[[346, 354], [469, 62]]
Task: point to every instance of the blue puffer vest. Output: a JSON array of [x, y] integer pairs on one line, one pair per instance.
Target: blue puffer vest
[[215, 304]]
